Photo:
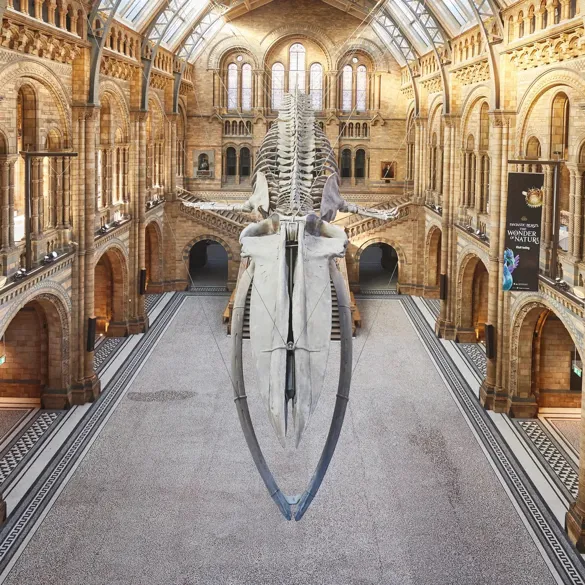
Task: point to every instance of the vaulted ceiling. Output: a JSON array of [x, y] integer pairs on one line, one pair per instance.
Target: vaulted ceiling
[[408, 28]]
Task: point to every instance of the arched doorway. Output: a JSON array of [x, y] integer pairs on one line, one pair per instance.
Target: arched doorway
[[33, 355], [153, 259], [473, 301], [548, 363], [109, 295], [378, 268], [208, 264]]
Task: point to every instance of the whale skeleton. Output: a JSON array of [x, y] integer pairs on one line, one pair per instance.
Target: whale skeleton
[[291, 254]]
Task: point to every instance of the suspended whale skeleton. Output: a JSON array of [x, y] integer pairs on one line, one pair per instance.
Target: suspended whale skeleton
[[292, 256]]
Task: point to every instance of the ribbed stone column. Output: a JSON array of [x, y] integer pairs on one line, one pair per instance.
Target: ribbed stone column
[[487, 391]]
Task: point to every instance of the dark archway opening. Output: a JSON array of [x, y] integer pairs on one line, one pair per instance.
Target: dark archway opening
[[32, 355], [378, 268], [208, 264]]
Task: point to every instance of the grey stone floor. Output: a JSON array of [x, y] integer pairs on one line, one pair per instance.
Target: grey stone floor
[[9, 417], [570, 429], [168, 494]]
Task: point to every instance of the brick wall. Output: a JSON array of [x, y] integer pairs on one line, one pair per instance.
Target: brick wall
[[25, 371], [556, 353]]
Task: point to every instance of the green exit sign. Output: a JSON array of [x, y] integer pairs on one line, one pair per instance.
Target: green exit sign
[[577, 370]]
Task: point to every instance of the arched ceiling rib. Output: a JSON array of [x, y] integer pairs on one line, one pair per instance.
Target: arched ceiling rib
[[409, 28], [422, 23]]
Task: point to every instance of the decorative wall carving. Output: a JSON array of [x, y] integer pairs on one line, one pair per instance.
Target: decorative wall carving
[[474, 72]]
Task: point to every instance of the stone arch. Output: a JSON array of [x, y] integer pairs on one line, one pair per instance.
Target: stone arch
[[436, 104], [432, 258], [560, 76], [467, 123], [154, 256], [314, 33], [478, 93], [238, 48], [211, 268], [113, 91], [112, 275], [53, 307], [356, 257], [231, 44], [19, 72], [212, 237], [525, 316], [377, 58], [471, 297]]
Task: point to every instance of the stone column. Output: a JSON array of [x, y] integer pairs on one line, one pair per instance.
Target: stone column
[[445, 222], [353, 183], [12, 182], [35, 198], [5, 205], [59, 193], [497, 121], [173, 161], [578, 219], [548, 206], [91, 120], [67, 194], [478, 193], [416, 161], [142, 319]]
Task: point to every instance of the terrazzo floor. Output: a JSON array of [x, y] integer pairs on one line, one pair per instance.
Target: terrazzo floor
[[168, 493], [9, 418]]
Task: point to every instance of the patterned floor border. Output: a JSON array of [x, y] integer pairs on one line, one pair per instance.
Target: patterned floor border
[[208, 291], [15, 455], [563, 471], [550, 534], [107, 347], [31, 507]]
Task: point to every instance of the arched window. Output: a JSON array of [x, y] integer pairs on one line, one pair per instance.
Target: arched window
[[557, 12], [316, 86], [361, 82], [365, 130], [560, 126], [346, 164], [245, 162], [346, 88], [230, 162], [544, 12], [360, 164], [234, 128], [520, 24], [296, 77], [247, 87], [510, 29], [227, 128], [241, 130], [531, 20], [232, 85], [277, 85]]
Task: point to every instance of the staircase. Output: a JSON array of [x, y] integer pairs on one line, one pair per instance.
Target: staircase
[[335, 325], [232, 216]]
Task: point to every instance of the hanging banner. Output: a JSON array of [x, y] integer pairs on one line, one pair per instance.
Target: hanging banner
[[523, 228]]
